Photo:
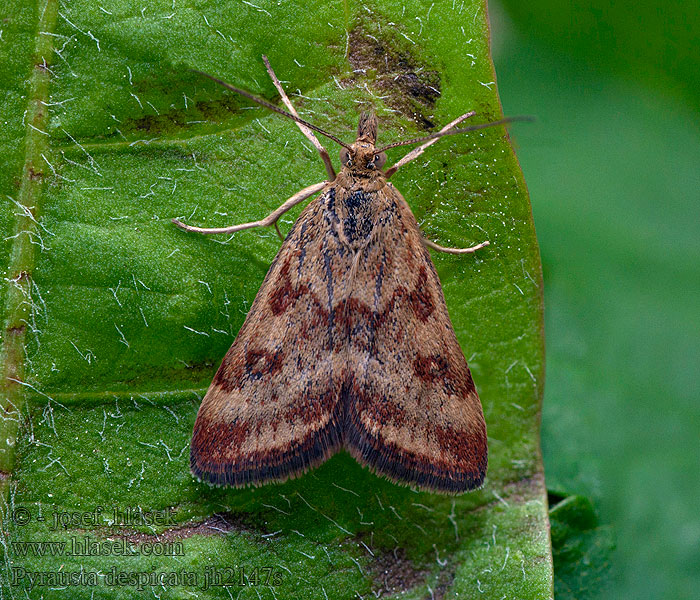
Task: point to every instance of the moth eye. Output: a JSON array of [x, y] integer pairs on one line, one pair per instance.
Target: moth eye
[[379, 160], [345, 157]]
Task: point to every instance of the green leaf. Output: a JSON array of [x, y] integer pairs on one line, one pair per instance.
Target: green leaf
[[115, 321], [581, 547], [622, 265]]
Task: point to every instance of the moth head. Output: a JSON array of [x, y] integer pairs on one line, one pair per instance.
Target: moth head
[[362, 157], [346, 158]]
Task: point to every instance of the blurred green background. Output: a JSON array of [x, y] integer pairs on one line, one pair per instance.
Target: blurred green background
[[613, 168]]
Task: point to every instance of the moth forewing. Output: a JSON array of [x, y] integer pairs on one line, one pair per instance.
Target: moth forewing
[[270, 412], [413, 413]]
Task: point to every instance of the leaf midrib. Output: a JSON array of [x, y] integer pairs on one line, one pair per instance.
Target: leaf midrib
[[23, 251]]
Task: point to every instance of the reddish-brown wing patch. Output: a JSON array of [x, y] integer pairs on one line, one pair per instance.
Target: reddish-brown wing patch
[[412, 411], [274, 409]]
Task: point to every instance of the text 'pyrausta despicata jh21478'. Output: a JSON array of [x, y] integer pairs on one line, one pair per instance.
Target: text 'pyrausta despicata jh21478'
[[348, 343]]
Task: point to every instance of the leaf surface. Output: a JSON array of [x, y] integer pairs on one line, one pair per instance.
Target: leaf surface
[[115, 321]]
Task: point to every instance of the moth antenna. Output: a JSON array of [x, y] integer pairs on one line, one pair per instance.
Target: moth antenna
[[271, 107], [440, 134]]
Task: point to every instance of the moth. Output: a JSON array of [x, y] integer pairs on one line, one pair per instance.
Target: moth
[[348, 344]]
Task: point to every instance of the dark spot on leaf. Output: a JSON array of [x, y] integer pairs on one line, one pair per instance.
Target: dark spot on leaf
[[394, 573], [392, 63], [34, 175], [218, 524]]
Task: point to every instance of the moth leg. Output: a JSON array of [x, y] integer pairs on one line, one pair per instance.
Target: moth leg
[[416, 152], [439, 248], [305, 130], [270, 219]]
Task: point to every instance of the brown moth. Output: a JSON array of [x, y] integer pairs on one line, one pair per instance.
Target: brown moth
[[348, 344]]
